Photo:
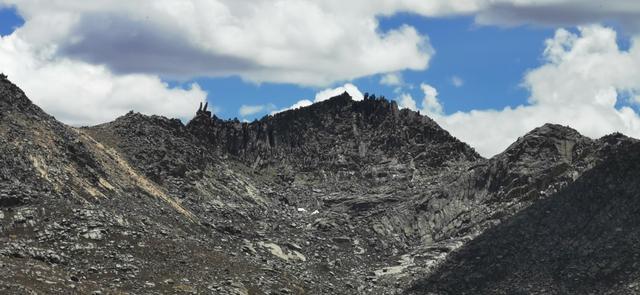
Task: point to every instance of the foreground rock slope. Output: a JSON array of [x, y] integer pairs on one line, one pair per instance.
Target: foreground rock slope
[[342, 197]]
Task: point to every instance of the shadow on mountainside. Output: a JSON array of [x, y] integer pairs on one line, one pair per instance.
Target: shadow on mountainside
[[584, 239]]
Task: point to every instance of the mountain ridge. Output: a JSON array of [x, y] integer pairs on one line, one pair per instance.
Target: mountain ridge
[[344, 196]]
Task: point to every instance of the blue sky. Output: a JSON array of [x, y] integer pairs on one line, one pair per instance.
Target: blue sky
[[486, 71], [9, 21]]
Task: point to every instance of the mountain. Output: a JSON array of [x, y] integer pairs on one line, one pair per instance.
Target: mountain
[[582, 240], [337, 134], [340, 197]]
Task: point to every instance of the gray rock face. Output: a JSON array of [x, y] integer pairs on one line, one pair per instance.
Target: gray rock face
[[342, 197], [578, 241]]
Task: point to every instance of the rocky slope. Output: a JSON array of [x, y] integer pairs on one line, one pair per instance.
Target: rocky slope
[[341, 197], [582, 240]]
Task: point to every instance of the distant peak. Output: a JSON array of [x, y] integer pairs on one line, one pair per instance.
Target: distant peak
[[133, 119], [615, 139], [131, 116], [338, 100], [548, 140], [554, 130]]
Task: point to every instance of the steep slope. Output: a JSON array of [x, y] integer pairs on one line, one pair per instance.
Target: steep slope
[[580, 240], [61, 189], [60, 158], [77, 217]]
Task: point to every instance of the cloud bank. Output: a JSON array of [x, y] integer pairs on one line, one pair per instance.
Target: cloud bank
[[303, 42]]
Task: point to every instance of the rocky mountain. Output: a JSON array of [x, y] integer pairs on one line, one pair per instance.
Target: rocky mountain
[[581, 240], [341, 197]]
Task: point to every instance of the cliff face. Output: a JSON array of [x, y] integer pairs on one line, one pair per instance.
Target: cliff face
[[340, 197]]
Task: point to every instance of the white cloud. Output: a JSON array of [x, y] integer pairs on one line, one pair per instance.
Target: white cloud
[[583, 78], [79, 93], [406, 101], [294, 41], [248, 110], [392, 79], [457, 81], [430, 105], [331, 40]]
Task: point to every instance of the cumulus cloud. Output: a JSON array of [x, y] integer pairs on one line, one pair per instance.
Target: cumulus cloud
[[79, 93], [584, 78], [430, 105], [292, 41], [457, 81], [406, 101], [248, 110], [331, 41], [392, 79]]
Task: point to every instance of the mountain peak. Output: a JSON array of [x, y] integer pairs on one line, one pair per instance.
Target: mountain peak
[[338, 132], [548, 141], [14, 102], [134, 118], [11, 94], [554, 130]]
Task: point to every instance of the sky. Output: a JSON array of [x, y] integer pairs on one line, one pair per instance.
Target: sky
[[488, 71]]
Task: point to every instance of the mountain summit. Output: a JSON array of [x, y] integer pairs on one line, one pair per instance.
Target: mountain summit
[[340, 197], [338, 133]]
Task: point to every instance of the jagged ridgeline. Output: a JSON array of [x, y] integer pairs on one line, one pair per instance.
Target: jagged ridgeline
[[341, 197], [339, 134]]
